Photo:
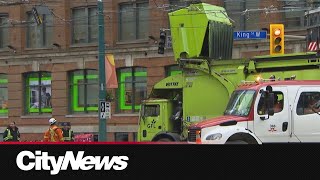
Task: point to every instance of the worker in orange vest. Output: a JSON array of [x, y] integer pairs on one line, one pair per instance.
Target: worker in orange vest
[[54, 133]]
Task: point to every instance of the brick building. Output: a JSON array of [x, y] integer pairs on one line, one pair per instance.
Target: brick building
[[60, 54]]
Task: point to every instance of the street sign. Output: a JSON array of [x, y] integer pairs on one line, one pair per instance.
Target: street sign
[[240, 35], [105, 109]]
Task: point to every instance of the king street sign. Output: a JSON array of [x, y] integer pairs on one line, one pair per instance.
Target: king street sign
[[238, 35]]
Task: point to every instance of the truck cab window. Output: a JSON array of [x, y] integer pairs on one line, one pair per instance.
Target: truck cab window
[[308, 103], [278, 103], [240, 103], [151, 110]]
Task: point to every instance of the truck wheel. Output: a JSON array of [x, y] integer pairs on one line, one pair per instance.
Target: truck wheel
[[236, 142], [164, 140]]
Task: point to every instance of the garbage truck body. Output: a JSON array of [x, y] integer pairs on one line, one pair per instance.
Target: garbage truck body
[[202, 44]]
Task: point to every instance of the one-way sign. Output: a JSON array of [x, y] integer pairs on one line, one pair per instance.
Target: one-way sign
[[105, 109], [249, 35]]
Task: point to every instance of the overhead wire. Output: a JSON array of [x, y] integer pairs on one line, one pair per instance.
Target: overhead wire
[[163, 7]]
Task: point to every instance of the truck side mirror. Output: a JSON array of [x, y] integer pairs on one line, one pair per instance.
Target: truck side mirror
[[269, 89], [270, 104]]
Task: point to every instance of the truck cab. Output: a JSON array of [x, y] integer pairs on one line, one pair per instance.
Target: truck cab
[[265, 112], [155, 120]]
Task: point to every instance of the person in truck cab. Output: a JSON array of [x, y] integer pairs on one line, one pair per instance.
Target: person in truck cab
[[278, 104], [308, 104], [314, 104], [177, 113]]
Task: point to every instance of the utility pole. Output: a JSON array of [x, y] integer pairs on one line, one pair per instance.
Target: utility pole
[[102, 76]]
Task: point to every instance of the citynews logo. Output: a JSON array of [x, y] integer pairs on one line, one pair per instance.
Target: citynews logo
[[42, 161]]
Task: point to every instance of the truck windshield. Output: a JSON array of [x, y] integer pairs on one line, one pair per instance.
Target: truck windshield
[[240, 103], [151, 110]]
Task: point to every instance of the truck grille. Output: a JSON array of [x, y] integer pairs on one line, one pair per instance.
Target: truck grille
[[192, 135]]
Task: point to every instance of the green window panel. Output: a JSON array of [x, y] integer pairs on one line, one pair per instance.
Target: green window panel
[[122, 90], [75, 93], [4, 92], [175, 72], [172, 70]]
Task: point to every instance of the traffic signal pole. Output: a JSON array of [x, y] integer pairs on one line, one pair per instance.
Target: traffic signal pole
[[102, 74]]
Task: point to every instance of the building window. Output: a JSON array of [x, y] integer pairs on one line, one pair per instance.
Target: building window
[[248, 21], [39, 36], [133, 21], [4, 31], [121, 137], [38, 92], [132, 89], [178, 4], [172, 70], [85, 25], [294, 19], [84, 91], [3, 95]]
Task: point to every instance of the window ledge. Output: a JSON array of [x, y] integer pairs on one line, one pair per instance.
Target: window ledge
[[121, 115], [3, 50], [81, 115], [4, 117], [36, 49], [36, 116], [84, 45], [132, 42]]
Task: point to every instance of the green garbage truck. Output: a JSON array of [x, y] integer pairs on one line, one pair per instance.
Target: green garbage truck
[[202, 40]]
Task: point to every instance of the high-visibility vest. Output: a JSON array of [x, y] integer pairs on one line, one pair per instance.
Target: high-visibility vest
[[68, 138], [9, 136], [52, 134]]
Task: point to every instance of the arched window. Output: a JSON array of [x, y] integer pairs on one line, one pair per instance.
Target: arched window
[[84, 91], [4, 30], [133, 20], [132, 88], [38, 92], [39, 35]]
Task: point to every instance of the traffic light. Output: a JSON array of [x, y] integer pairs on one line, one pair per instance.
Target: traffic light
[[276, 39], [162, 42]]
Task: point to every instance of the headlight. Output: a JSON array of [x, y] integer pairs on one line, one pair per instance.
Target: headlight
[[216, 136]]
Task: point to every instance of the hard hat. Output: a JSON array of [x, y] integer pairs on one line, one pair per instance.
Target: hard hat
[[52, 120]]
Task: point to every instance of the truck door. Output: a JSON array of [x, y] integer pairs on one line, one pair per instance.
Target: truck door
[[306, 117], [275, 128], [149, 121]]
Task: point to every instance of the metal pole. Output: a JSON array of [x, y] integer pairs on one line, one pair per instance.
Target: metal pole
[[102, 73]]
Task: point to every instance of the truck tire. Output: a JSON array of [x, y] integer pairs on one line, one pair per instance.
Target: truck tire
[[237, 142], [165, 140]]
